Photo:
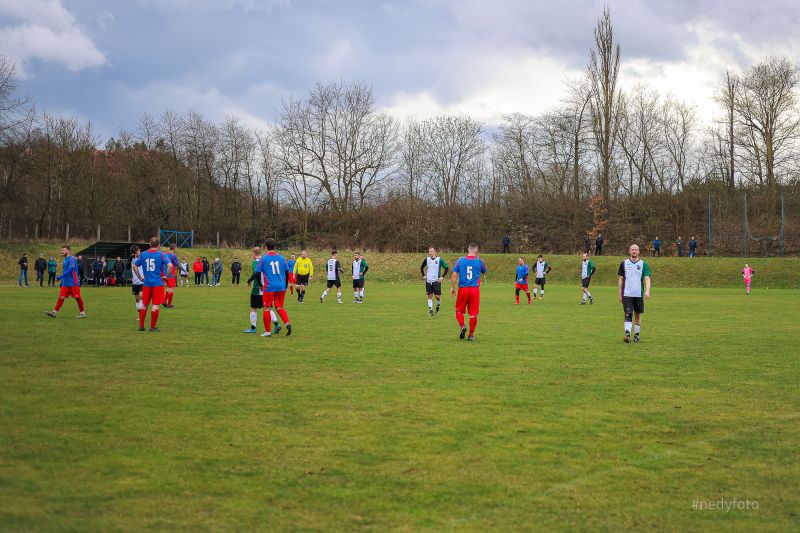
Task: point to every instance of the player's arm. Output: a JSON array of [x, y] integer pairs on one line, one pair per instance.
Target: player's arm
[[366, 267], [453, 281], [591, 269], [548, 269], [445, 267], [647, 286], [425, 262]]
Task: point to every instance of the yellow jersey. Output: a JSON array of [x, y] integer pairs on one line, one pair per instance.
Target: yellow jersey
[[304, 267]]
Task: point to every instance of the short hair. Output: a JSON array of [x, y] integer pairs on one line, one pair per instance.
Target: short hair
[[257, 250], [154, 242], [270, 244], [472, 246], [333, 252], [540, 255], [67, 247], [172, 246], [432, 248]]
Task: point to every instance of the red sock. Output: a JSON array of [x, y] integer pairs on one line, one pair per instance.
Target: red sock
[[80, 304], [284, 316], [473, 321], [517, 297], [59, 303], [529, 296], [267, 321], [142, 314], [153, 318], [460, 318], [291, 289]]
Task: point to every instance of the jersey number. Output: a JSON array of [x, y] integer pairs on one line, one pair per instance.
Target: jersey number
[[469, 272], [151, 265], [273, 265]]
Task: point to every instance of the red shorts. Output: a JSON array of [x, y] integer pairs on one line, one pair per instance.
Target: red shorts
[[468, 298], [66, 292], [292, 277], [154, 295], [521, 286], [171, 282], [273, 298]]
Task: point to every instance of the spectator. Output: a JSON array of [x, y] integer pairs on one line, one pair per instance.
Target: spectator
[[506, 244], [236, 269], [83, 269], [52, 266], [40, 267], [119, 271], [657, 247], [679, 243], [206, 268], [197, 268], [97, 270], [692, 247], [108, 272], [216, 270], [598, 244], [23, 270], [587, 244]]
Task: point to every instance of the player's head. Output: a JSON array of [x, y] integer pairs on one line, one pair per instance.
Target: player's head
[[304, 253], [333, 253], [585, 256], [154, 242], [270, 245], [256, 252], [472, 248], [292, 256], [172, 247], [65, 250], [521, 261], [634, 251], [540, 257], [432, 252], [746, 265]]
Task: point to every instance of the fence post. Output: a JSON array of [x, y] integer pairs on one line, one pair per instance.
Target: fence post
[[9, 230], [745, 247], [36, 232], [66, 237], [217, 239], [708, 251], [782, 224], [192, 243], [129, 234], [98, 232]]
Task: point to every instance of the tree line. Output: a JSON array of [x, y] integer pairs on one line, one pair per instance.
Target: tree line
[[334, 170]]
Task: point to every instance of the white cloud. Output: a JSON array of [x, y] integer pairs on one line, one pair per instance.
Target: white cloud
[[46, 31]]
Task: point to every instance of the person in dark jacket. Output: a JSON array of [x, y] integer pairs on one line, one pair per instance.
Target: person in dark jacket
[[679, 243], [23, 270], [97, 270], [206, 268], [40, 265], [657, 247], [119, 271], [692, 247], [236, 270], [506, 244], [52, 266], [83, 270], [598, 244]]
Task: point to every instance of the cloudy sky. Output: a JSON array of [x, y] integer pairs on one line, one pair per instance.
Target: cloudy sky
[[110, 61]]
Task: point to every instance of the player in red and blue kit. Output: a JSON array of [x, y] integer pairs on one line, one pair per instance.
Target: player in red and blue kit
[[274, 276], [172, 276], [154, 264], [521, 281], [70, 283], [467, 273], [292, 279]]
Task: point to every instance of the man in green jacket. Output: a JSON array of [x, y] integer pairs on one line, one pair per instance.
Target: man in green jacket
[[587, 269]]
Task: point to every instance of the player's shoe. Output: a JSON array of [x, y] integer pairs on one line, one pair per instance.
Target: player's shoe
[[541, 297], [266, 334], [320, 299], [339, 302], [516, 303], [471, 338], [51, 314], [288, 329], [155, 330], [430, 312], [635, 337], [82, 315], [627, 338], [463, 333], [591, 300], [277, 328], [583, 302], [250, 330], [141, 328]]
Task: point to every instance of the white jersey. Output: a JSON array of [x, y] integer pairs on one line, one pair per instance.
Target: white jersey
[[357, 269], [432, 275], [137, 275], [584, 269], [633, 274], [184, 268], [333, 269], [540, 268]]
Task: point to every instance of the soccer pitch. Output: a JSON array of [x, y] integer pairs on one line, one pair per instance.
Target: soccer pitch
[[376, 416]]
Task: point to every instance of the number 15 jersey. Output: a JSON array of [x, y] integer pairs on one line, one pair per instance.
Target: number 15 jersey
[[469, 269]]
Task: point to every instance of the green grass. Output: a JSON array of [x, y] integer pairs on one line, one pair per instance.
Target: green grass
[[376, 417]]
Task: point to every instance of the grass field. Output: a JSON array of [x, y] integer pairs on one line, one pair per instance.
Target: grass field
[[376, 417]]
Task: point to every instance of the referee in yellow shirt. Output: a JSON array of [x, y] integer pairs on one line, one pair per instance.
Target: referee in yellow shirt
[[303, 274]]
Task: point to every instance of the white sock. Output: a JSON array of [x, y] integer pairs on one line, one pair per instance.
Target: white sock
[[324, 293], [589, 294], [361, 294], [273, 316], [628, 327], [253, 319], [584, 297], [430, 304], [355, 295], [534, 292], [637, 328], [338, 295], [542, 292]]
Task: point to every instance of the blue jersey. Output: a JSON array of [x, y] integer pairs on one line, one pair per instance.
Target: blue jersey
[[291, 263], [273, 269], [469, 270], [522, 274], [173, 260], [69, 272], [154, 264]]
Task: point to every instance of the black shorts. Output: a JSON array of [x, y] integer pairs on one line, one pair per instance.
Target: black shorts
[[585, 282], [301, 279], [433, 288], [358, 283], [136, 289], [332, 282], [256, 301], [633, 304], [539, 281]]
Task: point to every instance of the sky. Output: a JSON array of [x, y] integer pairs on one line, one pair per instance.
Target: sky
[[111, 61]]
